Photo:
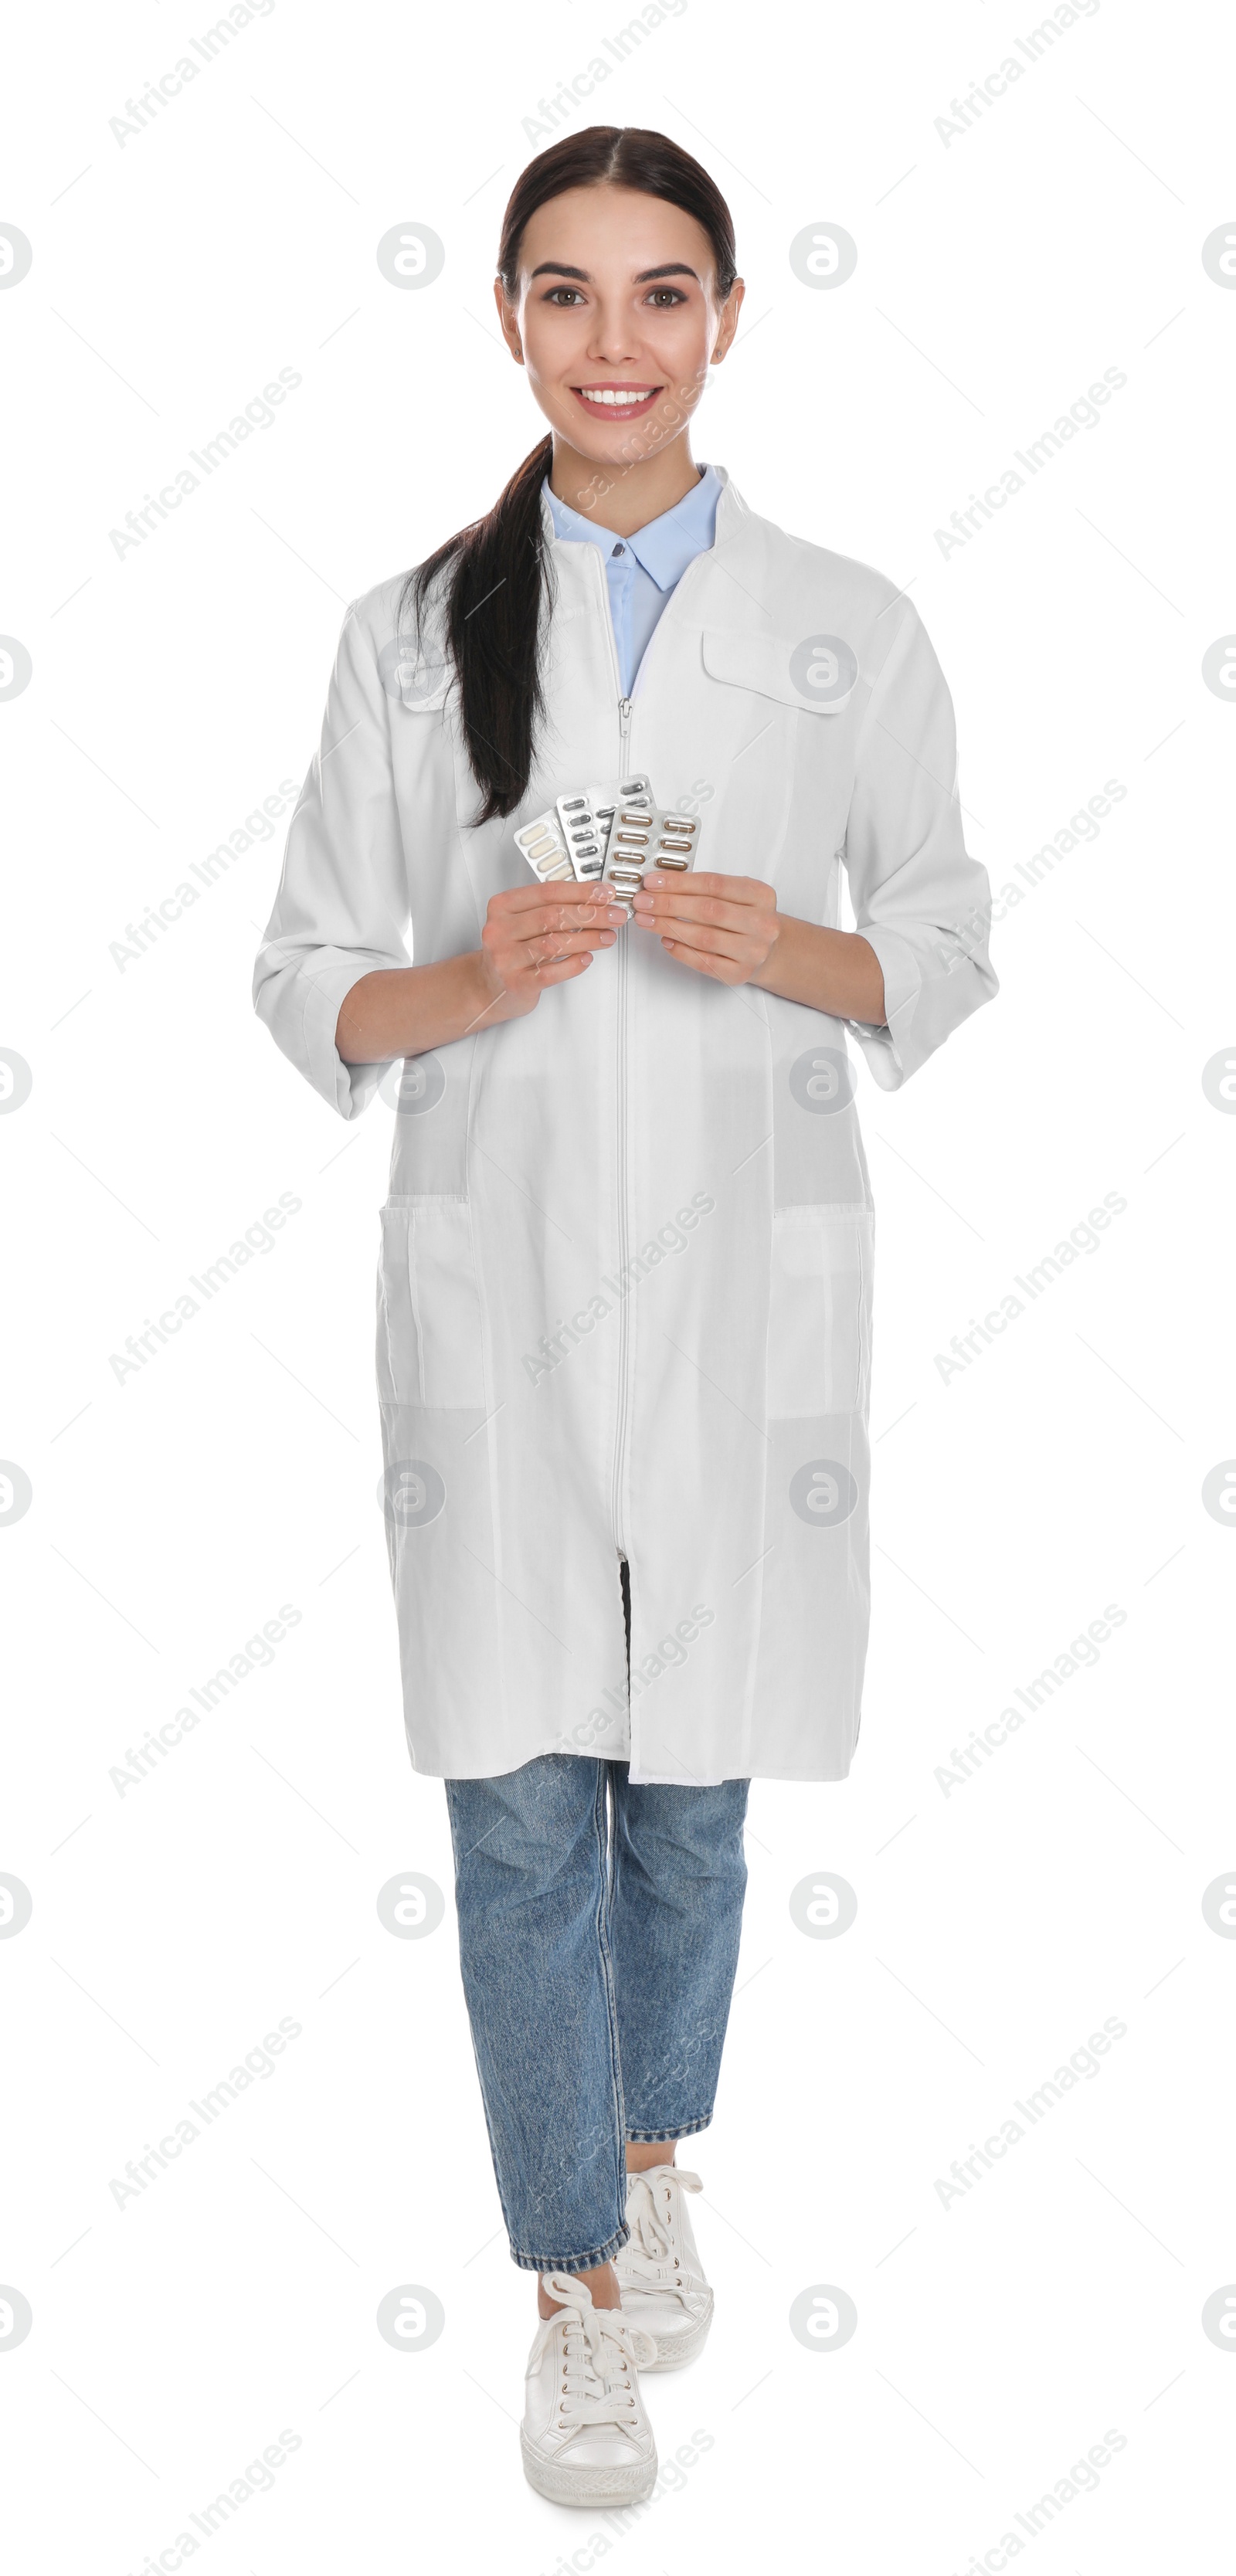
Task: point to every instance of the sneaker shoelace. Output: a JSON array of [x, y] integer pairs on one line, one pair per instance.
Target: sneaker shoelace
[[600, 2349], [650, 2217]]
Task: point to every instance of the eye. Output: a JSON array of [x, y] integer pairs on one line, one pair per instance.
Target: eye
[[674, 294], [556, 291]]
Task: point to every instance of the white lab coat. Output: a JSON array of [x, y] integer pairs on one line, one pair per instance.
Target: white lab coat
[[625, 1282]]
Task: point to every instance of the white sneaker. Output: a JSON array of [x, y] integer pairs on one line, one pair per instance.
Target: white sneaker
[[585, 2436], [659, 2270]]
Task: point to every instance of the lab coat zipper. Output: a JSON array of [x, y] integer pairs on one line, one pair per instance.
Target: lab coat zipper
[[624, 762]]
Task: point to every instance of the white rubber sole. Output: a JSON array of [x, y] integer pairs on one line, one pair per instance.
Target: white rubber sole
[[587, 2486], [674, 2352]]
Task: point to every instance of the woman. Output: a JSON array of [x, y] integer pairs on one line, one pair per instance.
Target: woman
[[624, 1307]]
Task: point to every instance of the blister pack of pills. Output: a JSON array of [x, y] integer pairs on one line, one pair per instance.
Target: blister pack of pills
[[542, 845], [585, 818], [643, 837]]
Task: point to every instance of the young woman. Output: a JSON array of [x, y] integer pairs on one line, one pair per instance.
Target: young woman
[[624, 1303]]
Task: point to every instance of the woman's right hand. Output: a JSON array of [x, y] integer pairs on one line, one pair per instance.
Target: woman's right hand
[[536, 935]]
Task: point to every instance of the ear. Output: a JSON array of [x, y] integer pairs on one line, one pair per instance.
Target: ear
[[509, 326], [729, 324]]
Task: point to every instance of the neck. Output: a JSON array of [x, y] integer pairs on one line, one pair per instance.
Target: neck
[[623, 496]]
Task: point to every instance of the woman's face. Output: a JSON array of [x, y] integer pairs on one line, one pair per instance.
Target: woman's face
[[616, 320]]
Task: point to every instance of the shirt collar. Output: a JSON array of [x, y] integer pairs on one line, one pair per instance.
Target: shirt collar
[[667, 545]]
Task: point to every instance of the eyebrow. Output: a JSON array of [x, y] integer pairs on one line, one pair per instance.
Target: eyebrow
[[673, 268]]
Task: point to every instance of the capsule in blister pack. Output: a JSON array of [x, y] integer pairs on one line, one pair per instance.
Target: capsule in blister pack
[[647, 837], [585, 819], [542, 845]]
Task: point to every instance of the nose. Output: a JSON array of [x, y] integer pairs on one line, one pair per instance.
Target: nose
[[612, 341]]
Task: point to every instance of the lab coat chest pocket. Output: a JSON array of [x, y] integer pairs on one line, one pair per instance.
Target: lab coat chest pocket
[[816, 676], [430, 1339], [819, 1317], [421, 680]]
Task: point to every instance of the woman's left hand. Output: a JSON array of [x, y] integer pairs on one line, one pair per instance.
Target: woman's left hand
[[723, 926]]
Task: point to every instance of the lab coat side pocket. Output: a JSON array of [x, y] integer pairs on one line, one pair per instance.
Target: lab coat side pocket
[[819, 1314], [430, 1341]]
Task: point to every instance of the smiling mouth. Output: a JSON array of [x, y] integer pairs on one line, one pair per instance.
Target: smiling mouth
[[623, 402]]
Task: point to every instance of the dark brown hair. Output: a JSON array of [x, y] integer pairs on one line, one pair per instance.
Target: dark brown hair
[[497, 571]]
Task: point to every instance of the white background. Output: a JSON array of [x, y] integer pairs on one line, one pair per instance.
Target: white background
[[999, 2337]]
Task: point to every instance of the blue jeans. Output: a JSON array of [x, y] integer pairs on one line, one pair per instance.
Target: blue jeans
[[598, 1938]]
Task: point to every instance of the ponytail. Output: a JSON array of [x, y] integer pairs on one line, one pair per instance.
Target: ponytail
[[491, 630]]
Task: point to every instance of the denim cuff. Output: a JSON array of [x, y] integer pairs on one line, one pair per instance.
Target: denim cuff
[[573, 2262], [658, 2137]]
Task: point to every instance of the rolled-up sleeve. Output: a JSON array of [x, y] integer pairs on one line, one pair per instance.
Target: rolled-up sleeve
[[918, 897], [341, 911]]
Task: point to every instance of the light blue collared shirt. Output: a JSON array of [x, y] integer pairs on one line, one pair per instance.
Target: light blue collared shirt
[[642, 571]]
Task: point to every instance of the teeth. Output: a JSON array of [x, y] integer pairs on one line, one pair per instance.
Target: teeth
[[592, 394]]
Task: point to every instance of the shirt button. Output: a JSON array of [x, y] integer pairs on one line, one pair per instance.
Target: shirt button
[[620, 550]]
